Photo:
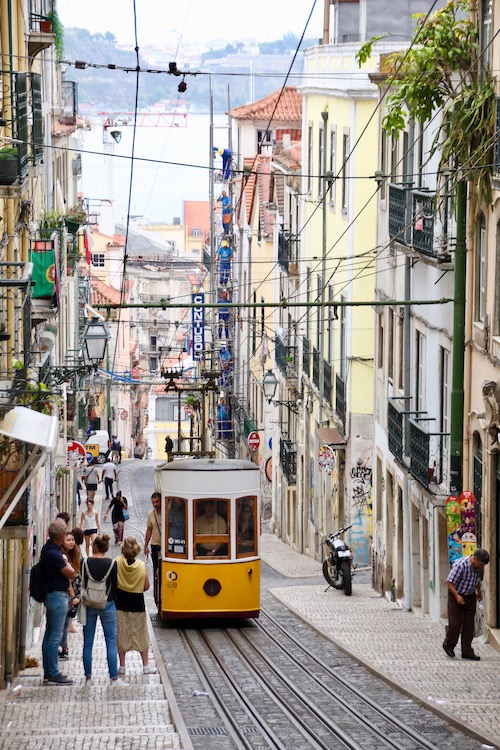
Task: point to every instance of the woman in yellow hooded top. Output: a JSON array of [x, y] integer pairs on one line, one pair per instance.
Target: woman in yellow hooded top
[[132, 628]]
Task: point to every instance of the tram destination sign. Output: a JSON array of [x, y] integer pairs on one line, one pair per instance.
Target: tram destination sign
[[198, 326]]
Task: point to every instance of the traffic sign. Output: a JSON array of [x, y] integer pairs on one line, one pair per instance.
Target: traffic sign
[[253, 441], [76, 455]]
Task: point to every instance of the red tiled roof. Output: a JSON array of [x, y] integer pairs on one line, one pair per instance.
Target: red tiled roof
[[103, 293], [288, 108], [294, 133]]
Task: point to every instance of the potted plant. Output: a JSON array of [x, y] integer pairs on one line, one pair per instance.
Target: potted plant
[[9, 165], [58, 31], [50, 221], [74, 218], [45, 25]]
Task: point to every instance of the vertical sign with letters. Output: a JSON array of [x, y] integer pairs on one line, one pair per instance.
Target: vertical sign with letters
[[198, 326]]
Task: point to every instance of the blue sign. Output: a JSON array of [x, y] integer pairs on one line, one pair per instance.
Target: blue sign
[[198, 326]]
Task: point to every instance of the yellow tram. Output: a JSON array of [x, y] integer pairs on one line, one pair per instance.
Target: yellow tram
[[210, 563]]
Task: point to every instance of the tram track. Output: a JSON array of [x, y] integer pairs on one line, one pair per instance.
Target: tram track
[[270, 688]]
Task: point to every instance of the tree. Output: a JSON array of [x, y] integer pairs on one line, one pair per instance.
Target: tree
[[442, 72]]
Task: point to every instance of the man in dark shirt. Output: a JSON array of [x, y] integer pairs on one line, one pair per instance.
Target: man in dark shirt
[[464, 589], [58, 573]]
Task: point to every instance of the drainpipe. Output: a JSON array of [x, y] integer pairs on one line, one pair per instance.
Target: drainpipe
[[25, 604], [407, 572], [10, 598], [321, 310], [457, 388]]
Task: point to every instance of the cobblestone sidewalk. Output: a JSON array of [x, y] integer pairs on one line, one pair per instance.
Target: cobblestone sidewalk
[[402, 647]]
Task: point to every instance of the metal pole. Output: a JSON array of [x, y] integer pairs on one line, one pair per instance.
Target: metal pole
[[457, 387]]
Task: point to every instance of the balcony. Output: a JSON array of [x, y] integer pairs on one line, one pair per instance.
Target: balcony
[[316, 359], [306, 356], [248, 425], [328, 381], [288, 461], [287, 251], [340, 403], [395, 429], [429, 454], [69, 103], [413, 224], [287, 359], [207, 259]]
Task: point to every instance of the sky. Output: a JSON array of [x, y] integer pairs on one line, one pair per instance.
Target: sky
[[194, 21]]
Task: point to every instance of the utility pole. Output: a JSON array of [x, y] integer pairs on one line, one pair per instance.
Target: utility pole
[[457, 386]]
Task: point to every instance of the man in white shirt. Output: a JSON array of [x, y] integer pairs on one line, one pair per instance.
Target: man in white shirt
[[109, 476]]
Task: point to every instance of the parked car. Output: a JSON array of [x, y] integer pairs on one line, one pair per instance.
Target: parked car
[[101, 439]]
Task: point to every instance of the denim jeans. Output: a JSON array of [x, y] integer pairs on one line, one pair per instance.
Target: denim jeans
[[56, 605], [108, 622]]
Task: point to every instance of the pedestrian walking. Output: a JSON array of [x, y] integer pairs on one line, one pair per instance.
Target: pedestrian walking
[[58, 573], [99, 566], [71, 552], [132, 629], [109, 476], [90, 524], [464, 590], [65, 517], [91, 479], [79, 487], [117, 507], [116, 450], [77, 582]]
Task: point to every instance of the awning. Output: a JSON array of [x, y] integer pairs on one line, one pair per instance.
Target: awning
[[39, 430], [332, 437]]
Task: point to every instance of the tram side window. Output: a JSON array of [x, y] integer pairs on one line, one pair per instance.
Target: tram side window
[[176, 525], [246, 526], [211, 522]]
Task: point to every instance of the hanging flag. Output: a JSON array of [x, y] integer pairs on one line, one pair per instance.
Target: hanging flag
[[42, 257], [88, 243]]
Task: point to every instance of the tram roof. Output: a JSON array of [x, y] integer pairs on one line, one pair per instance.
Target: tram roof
[[205, 464]]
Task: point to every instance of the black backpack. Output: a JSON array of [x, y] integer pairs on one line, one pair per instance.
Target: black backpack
[[38, 583]]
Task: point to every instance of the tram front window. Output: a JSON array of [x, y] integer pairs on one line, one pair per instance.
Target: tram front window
[[211, 522], [246, 526], [176, 526]]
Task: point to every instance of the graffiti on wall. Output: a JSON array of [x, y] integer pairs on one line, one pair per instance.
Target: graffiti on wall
[[359, 541], [361, 485]]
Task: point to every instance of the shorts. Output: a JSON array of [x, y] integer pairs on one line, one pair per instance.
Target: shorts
[[89, 532], [91, 486]]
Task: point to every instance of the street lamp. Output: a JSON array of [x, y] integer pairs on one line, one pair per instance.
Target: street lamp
[[95, 341], [269, 385]]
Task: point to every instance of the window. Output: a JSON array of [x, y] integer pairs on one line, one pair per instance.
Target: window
[[247, 526], [321, 149], [394, 157], [211, 527], [486, 17], [332, 164], [254, 323], [152, 343], [419, 371], [175, 527], [481, 271], [318, 312], [345, 171], [444, 407], [308, 309], [153, 364], [407, 170], [496, 322], [343, 323], [330, 324], [196, 232], [380, 342], [98, 260], [309, 157], [401, 340], [263, 137]]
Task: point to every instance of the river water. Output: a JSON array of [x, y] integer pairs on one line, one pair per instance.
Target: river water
[[159, 188]]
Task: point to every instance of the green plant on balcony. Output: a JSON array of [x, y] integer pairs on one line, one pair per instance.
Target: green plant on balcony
[[50, 221], [31, 393], [8, 165], [58, 31], [75, 217]]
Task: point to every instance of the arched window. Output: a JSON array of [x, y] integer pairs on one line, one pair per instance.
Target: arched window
[[480, 268]]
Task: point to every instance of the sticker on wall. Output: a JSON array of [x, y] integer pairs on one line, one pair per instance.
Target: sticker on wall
[[454, 529], [326, 459]]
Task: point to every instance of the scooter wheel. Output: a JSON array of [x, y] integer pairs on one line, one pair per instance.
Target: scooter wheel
[[330, 577], [346, 575]]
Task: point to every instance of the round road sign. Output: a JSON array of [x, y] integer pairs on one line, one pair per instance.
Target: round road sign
[[253, 441]]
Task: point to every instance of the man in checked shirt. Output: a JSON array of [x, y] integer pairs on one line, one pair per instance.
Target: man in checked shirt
[[464, 588]]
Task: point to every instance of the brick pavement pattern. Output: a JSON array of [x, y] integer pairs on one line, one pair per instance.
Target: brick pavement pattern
[[402, 647], [138, 716]]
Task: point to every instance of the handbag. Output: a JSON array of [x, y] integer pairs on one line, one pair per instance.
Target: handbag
[[125, 515]]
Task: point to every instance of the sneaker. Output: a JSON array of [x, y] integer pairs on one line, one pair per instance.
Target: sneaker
[[149, 669], [122, 670], [119, 683], [57, 679]]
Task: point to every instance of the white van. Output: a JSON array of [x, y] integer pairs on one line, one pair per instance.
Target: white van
[[101, 439]]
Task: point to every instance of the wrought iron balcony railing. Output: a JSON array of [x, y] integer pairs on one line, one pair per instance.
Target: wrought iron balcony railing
[[287, 251], [340, 401], [412, 221], [286, 359], [288, 460], [328, 381], [395, 429], [429, 454], [316, 359], [399, 225], [306, 356]]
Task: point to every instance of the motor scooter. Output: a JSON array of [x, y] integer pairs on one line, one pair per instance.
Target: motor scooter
[[337, 568]]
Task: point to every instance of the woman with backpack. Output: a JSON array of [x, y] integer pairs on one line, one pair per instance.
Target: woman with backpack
[[100, 569], [132, 627]]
